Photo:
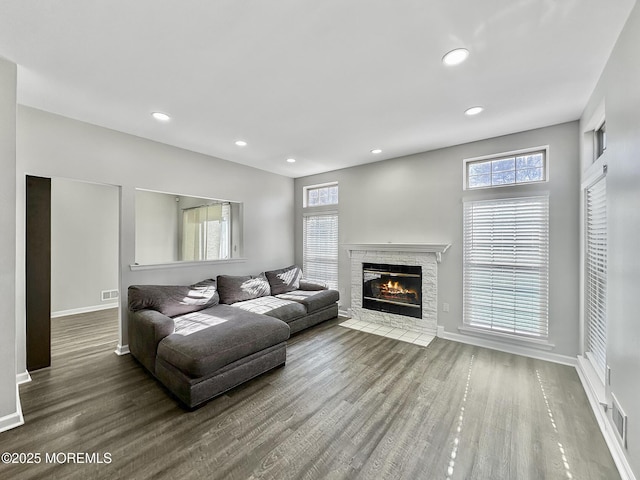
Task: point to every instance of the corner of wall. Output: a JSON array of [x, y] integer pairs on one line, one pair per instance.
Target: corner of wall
[[14, 419], [9, 406]]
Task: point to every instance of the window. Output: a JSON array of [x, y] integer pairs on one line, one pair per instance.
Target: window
[[506, 271], [320, 248], [507, 169], [596, 274], [320, 195], [320, 233], [205, 232], [600, 138]]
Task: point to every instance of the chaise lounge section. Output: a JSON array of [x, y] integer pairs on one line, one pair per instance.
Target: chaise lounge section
[[204, 339]]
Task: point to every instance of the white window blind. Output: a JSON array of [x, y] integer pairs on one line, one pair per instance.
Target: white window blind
[[506, 265], [596, 274], [320, 248]]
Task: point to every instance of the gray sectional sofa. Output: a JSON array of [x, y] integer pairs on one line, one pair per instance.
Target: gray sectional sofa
[[204, 339]]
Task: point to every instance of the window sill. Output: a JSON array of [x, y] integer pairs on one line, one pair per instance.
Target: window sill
[[506, 338], [159, 266]]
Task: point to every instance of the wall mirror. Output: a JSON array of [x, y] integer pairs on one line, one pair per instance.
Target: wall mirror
[[179, 228]]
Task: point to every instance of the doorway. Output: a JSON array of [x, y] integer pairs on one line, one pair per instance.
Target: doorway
[[83, 256]]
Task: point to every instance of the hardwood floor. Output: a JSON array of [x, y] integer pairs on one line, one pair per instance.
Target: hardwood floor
[[348, 405]]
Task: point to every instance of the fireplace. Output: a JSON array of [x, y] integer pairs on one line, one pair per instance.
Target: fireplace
[[392, 288], [425, 255]]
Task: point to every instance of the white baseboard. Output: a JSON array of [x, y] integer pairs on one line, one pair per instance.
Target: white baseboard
[[344, 313], [23, 377], [504, 347], [590, 381], [595, 393], [12, 420], [122, 350], [76, 311]]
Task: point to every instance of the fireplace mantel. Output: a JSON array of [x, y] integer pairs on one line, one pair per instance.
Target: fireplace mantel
[[437, 248]]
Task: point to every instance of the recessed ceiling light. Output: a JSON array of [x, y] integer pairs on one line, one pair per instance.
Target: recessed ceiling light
[[455, 57], [375, 151], [161, 117], [241, 143], [473, 111], [291, 160]]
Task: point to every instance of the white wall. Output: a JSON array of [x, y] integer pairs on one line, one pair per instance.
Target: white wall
[[84, 244], [418, 199], [156, 227], [619, 91], [53, 146], [10, 414]]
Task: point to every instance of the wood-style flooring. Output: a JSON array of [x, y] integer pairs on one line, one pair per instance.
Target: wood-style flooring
[[347, 405]]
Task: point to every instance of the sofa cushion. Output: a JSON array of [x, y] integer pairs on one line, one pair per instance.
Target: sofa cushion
[[284, 280], [234, 289], [285, 310], [173, 300], [306, 284], [224, 335], [312, 300]]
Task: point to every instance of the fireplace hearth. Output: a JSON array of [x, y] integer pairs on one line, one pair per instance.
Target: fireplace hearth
[[392, 288]]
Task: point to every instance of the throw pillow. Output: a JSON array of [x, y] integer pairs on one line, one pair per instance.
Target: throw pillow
[[174, 300], [234, 289], [284, 280]]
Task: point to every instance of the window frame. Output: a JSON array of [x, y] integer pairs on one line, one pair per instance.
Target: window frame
[[544, 149]]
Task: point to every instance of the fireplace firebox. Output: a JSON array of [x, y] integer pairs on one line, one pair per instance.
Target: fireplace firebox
[[392, 288]]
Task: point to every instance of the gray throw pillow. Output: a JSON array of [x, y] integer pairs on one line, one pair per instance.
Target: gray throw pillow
[[173, 300], [234, 289], [284, 280]]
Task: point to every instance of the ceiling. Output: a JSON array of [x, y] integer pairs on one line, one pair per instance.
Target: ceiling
[[321, 81]]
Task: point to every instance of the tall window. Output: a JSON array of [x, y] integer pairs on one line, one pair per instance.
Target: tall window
[[206, 232], [506, 265], [320, 233], [596, 274]]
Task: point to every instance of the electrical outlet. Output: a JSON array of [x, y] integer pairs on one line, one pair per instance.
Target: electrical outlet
[[445, 307]]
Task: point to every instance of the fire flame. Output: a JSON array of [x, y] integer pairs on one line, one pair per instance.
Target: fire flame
[[395, 288]]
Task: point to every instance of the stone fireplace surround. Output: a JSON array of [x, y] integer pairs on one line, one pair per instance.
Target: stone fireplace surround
[[426, 255]]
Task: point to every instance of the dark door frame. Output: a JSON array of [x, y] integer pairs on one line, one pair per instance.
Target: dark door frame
[[38, 272]]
